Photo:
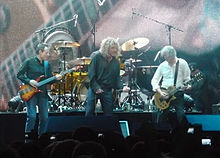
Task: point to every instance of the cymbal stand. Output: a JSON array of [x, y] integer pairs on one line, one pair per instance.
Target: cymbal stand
[[63, 96], [133, 100], [74, 91]]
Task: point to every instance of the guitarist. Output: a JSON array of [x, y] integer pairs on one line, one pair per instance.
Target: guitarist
[[171, 72], [31, 69]]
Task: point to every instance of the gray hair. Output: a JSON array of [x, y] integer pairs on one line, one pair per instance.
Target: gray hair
[[107, 43], [168, 50]]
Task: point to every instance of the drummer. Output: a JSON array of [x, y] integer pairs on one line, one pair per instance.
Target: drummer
[[104, 75]]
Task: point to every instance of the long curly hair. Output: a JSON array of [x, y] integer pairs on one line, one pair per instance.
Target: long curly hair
[[107, 43]]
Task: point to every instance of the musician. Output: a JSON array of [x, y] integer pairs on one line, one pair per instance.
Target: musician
[[167, 72], [31, 69], [104, 75]]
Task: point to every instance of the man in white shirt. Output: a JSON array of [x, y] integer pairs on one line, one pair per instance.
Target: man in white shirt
[[164, 78]]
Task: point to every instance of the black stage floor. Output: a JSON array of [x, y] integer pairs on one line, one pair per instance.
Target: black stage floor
[[12, 124]]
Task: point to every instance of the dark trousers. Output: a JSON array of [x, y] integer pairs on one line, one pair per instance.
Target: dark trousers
[[106, 99], [166, 115]]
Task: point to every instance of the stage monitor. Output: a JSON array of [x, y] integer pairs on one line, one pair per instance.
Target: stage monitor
[[208, 122]]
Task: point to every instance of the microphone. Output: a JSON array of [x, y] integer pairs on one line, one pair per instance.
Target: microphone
[[76, 19], [158, 53]]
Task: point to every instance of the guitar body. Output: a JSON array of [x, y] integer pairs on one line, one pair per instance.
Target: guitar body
[[161, 103], [27, 91]]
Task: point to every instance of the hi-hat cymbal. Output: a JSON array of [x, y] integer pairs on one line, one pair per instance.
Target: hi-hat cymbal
[[148, 67], [66, 44], [134, 44]]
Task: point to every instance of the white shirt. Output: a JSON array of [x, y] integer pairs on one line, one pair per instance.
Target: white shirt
[[168, 72]]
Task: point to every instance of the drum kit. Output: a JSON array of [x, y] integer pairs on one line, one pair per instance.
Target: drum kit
[[70, 93]]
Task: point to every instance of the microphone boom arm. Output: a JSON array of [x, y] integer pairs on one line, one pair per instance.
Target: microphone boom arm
[[169, 27], [75, 17]]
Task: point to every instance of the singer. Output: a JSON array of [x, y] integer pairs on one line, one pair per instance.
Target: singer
[[104, 75]]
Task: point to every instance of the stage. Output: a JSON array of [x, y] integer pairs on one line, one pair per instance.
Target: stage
[[12, 124]]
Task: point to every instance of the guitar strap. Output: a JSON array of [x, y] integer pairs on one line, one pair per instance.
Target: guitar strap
[[45, 68], [176, 73]]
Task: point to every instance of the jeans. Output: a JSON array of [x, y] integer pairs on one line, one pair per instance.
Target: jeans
[[165, 115], [40, 99], [106, 100]]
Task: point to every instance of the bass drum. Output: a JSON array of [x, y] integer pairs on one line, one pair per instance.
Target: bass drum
[[57, 56], [82, 90]]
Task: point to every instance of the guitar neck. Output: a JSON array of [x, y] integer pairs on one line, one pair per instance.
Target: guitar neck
[[41, 83]]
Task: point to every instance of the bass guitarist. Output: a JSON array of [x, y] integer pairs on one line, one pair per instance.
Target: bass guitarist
[[168, 83], [28, 73]]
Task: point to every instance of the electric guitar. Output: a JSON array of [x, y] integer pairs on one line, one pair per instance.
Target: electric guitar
[[27, 91], [162, 103]]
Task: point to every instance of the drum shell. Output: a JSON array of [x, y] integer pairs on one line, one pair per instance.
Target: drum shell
[[68, 81]]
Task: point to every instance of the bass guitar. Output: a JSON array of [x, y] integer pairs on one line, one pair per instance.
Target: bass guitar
[[162, 103], [27, 91]]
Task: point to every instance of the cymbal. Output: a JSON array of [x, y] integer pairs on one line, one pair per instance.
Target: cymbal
[[133, 60], [79, 61], [134, 44], [148, 67], [66, 44]]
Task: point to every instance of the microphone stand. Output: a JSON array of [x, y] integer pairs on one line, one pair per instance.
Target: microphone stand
[[55, 25], [93, 30], [169, 27]]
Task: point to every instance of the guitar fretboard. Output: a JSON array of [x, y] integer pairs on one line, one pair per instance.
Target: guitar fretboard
[[46, 81]]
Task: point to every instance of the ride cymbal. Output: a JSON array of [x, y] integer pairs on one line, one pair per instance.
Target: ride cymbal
[[134, 44]]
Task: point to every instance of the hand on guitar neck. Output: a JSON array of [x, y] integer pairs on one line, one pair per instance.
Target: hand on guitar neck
[[34, 83]]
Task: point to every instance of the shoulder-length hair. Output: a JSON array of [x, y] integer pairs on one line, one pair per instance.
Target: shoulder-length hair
[[107, 43]]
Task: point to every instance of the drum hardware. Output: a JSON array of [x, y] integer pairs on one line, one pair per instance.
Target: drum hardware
[[63, 83], [147, 69], [133, 101]]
